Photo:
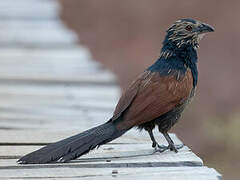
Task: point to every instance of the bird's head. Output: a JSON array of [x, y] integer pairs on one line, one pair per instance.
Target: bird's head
[[187, 31]]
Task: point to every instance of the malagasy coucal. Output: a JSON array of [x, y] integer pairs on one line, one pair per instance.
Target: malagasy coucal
[[156, 98]]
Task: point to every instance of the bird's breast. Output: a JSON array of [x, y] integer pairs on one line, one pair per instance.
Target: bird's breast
[[181, 87]]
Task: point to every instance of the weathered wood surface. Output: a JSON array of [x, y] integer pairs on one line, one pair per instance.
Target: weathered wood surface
[[50, 88], [170, 173], [45, 136], [111, 155], [73, 66]]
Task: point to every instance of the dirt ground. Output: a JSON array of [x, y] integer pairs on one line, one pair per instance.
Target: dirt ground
[[126, 37]]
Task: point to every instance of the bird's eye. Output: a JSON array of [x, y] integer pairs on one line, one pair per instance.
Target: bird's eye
[[188, 28]]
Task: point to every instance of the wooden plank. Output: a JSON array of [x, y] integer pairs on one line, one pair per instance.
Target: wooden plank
[[47, 65], [58, 102], [52, 118], [49, 107], [22, 31], [51, 66], [28, 24], [29, 9], [52, 122], [51, 61], [34, 136], [27, 110], [17, 32], [80, 53], [48, 61], [44, 136], [111, 155], [103, 77], [37, 38], [121, 155], [20, 114], [58, 91], [170, 173]]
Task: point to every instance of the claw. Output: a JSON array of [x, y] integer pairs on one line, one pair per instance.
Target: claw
[[162, 148], [172, 148], [61, 160], [154, 145], [21, 162], [158, 149]]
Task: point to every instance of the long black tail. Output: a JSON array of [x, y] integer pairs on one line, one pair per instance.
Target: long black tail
[[74, 146]]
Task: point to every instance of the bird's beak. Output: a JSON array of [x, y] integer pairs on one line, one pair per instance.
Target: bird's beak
[[204, 28]]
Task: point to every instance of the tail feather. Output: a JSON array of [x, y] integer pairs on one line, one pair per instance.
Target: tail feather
[[74, 146]]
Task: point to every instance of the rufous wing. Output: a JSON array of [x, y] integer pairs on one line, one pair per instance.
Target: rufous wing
[[151, 96], [129, 95]]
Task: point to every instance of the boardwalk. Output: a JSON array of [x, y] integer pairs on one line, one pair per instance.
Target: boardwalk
[[51, 88]]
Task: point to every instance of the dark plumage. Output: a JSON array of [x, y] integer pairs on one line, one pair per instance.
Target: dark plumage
[[157, 97]]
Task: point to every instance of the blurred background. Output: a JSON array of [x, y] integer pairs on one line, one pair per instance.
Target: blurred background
[[126, 37]]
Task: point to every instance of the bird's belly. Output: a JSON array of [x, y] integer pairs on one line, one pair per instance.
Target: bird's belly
[[168, 119]]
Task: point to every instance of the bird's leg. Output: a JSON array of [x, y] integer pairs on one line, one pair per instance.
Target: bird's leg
[[162, 148], [171, 145], [170, 142], [155, 145], [154, 142]]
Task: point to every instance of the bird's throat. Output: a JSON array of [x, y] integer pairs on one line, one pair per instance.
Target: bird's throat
[[175, 60]]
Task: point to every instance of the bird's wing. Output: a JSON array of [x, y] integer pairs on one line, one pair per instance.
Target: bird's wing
[[151, 96], [130, 93]]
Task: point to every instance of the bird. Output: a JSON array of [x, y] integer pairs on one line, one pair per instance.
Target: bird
[[156, 98]]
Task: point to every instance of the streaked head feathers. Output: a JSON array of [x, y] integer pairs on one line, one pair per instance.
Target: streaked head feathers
[[187, 31]]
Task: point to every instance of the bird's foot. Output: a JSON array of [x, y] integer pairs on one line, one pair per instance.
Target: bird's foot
[[171, 147]]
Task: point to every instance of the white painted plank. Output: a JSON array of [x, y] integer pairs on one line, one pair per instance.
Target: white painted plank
[[22, 31], [50, 67], [66, 122], [116, 151], [22, 116], [35, 136], [86, 104], [37, 38], [70, 65], [78, 52], [58, 107], [37, 105], [29, 9], [170, 173], [103, 77], [55, 106], [59, 91], [32, 34], [73, 58], [112, 155], [29, 64], [76, 60], [27, 24], [59, 101]]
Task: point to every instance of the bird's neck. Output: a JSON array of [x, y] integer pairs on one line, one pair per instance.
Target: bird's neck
[[176, 60]]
